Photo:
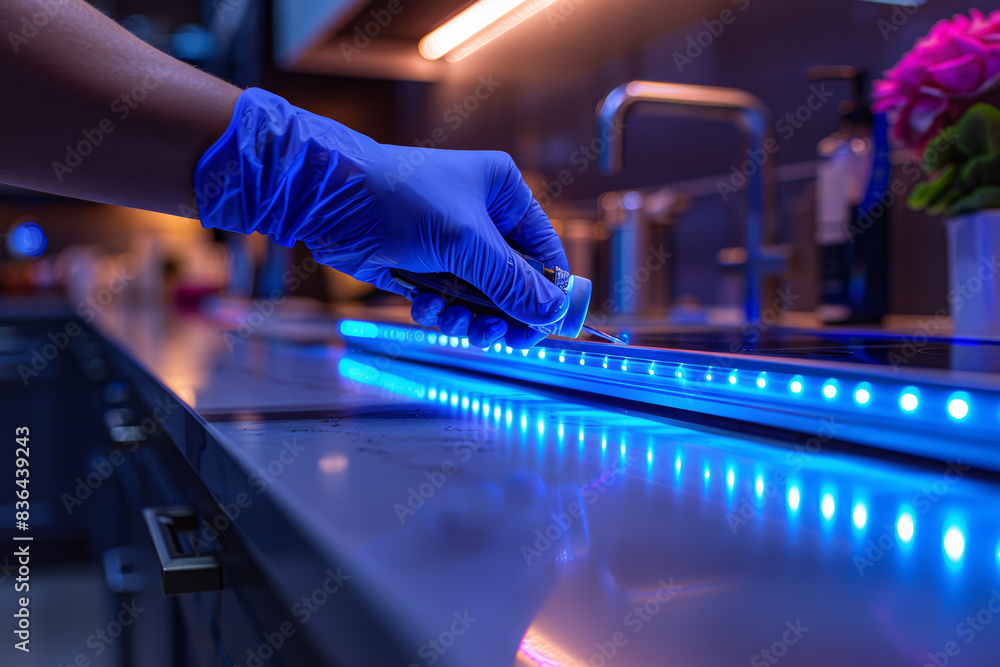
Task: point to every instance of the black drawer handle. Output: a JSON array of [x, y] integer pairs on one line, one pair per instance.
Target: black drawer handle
[[183, 569]]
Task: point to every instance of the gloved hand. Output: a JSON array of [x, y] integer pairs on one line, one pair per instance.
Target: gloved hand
[[365, 208]]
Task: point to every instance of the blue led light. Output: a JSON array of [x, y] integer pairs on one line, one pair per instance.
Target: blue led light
[[624, 366], [730, 478], [828, 506], [677, 464], [904, 527], [652, 368], [732, 378], [444, 340], [582, 362], [708, 377], [358, 329], [509, 350], [524, 353], [796, 384], [605, 364], [830, 389], [794, 497], [581, 435], [465, 402], [496, 414], [541, 427], [509, 417], [908, 401], [649, 456], [444, 396], [759, 486], [432, 394], [954, 543], [859, 515], [708, 473], [498, 347], [623, 449], [863, 394], [679, 374], [541, 354], [27, 240], [958, 405], [560, 430], [454, 400], [762, 380], [475, 405], [562, 358], [524, 421], [465, 342], [604, 442]]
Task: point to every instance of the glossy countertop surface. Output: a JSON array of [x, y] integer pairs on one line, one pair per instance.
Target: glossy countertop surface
[[498, 524]]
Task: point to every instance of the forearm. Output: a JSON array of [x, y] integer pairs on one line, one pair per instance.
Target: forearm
[[95, 113]]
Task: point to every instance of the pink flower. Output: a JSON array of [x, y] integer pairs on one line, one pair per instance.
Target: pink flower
[[946, 72]]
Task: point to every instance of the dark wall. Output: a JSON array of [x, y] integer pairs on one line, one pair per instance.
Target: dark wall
[[544, 111]]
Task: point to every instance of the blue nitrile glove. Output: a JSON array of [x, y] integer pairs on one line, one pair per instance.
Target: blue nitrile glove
[[365, 208]]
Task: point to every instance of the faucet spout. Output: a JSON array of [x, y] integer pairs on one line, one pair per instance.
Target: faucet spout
[[730, 105]]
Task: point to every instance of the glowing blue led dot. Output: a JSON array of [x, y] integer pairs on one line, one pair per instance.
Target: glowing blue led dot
[[496, 414], [829, 390], [624, 366], [444, 396], [604, 443], [524, 353], [707, 473], [432, 394], [454, 400], [904, 527], [796, 385], [649, 456], [652, 368], [465, 342], [908, 401], [862, 394], [475, 405], [605, 364], [444, 341], [524, 421], [730, 478], [677, 464], [759, 485], [623, 449], [954, 543], [827, 506], [27, 239], [581, 435], [794, 497], [708, 377], [732, 379], [509, 417], [498, 347], [432, 338], [541, 354], [509, 349], [958, 406], [465, 402], [560, 430], [761, 381], [562, 358], [582, 362], [679, 374], [541, 427], [859, 515]]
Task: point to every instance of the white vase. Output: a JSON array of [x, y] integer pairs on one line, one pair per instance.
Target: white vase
[[974, 274]]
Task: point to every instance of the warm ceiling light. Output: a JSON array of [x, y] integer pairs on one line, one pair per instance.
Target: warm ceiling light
[[479, 24]]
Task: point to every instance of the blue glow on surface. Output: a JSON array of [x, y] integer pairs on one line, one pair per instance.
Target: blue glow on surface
[[905, 527], [561, 432], [28, 240], [624, 366], [796, 384], [524, 421], [677, 464], [454, 400], [497, 347], [465, 342], [794, 497], [622, 449], [465, 402], [496, 414], [432, 338], [730, 478], [582, 362], [762, 380], [605, 364], [859, 515], [908, 400], [863, 393], [758, 486], [444, 396], [679, 373], [541, 353], [432, 394], [524, 353], [708, 473], [708, 377], [828, 506], [732, 378], [358, 329], [830, 389], [652, 368], [581, 434], [604, 442], [475, 405], [649, 455], [509, 417], [954, 543], [958, 405], [541, 427], [562, 358], [509, 350]]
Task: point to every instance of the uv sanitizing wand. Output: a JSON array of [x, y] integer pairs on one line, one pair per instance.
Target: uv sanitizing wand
[[570, 323]]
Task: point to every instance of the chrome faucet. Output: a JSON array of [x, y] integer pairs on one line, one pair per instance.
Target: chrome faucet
[[752, 118]]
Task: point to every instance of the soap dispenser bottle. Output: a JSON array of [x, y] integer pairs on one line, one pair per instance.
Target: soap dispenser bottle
[[852, 209]]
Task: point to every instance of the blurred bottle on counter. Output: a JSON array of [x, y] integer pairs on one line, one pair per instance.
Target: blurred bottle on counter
[[852, 209]]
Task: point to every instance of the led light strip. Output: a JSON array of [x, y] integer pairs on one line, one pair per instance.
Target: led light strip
[[861, 513], [938, 418], [476, 26]]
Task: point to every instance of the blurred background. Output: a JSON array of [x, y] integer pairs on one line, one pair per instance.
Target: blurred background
[[533, 92]]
